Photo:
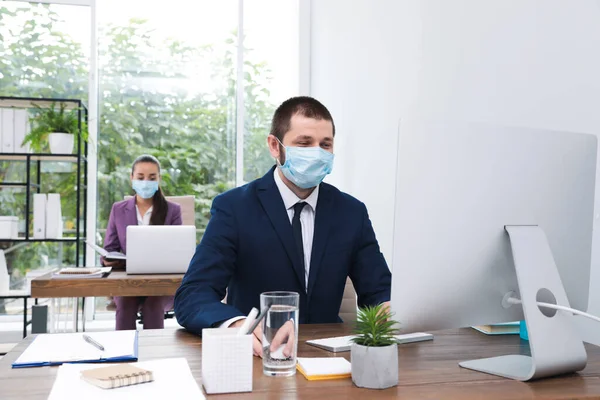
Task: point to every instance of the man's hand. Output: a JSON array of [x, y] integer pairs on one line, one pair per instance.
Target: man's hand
[[386, 306], [256, 340], [114, 263], [287, 334]]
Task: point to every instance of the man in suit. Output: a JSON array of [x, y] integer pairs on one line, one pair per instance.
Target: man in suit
[[285, 231]]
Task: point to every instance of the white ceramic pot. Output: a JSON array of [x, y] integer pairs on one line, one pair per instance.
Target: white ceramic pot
[[61, 143], [374, 367]]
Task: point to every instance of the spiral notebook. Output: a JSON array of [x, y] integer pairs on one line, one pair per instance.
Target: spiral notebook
[[117, 376], [81, 273]]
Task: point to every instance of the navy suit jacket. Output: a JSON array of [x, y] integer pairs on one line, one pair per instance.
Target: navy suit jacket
[[248, 248]]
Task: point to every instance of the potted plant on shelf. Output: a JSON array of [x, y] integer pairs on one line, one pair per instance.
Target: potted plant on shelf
[[374, 351], [58, 126]]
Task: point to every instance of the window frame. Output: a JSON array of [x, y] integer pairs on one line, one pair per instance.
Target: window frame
[[304, 88]]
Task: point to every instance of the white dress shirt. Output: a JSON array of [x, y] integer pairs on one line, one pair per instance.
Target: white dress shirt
[[307, 220], [307, 217], [145, 220]]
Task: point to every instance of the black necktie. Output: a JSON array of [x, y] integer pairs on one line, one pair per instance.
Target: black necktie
[[297, 230]]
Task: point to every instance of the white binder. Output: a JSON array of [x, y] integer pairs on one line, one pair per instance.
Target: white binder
[[7, 130], [53, 217], [39, 216], [4, 277], [21, 126]]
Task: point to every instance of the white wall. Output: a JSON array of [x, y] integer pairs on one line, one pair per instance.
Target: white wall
[[532, 63], [359, 66]]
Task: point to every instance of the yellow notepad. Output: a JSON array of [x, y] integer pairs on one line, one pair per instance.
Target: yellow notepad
[[322, 368], [116, 376]]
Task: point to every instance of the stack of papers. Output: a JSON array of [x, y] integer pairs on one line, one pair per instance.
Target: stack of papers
[[81, 273], [58, 348], [172, 380], [321, 368]]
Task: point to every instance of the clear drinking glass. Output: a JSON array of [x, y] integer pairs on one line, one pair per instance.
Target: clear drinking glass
[[280, 325]]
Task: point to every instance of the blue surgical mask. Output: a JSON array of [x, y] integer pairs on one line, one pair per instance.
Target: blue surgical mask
[[145, 189], [306, 167]]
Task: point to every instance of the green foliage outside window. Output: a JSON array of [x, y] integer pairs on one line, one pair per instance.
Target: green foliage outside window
[[192, 134]]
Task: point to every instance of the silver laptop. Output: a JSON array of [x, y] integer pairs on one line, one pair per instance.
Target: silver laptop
[[160, 249]]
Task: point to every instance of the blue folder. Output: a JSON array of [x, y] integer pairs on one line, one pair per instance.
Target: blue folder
[[133, 356]]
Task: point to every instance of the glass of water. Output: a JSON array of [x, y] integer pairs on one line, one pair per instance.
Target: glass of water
[[280, 332]]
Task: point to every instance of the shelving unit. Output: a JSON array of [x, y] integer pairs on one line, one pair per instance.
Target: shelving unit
[[33, 180]]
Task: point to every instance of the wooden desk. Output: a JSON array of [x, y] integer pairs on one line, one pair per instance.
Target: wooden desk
[[428, 370], [118, 283]]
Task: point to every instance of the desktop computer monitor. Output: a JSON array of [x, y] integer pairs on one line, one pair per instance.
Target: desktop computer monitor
[[482, 211]]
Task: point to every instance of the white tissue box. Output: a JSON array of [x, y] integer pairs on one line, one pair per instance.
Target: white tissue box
[[226, 361], [9, 227]]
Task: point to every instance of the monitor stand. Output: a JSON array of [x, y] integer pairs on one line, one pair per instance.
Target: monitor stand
[[556, 347]]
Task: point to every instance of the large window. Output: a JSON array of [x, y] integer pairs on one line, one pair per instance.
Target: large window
[[271, 68], [169, 82]]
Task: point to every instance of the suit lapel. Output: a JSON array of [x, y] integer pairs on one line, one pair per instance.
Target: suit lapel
[[322, 226], [272, 203]]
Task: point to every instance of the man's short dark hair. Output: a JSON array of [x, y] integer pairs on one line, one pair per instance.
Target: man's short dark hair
[[301, 105]]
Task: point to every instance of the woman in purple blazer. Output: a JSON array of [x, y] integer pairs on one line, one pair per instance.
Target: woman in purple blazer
[[147, 207]]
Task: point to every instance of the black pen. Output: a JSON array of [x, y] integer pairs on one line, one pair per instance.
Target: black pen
[[258, 319], [93, 342]]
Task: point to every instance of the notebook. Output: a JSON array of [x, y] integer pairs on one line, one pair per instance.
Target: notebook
[[117, 376], [173, 379], [507, 328], [58, 348], [81, 273], [109, 255], [343, 343], [322, 368]]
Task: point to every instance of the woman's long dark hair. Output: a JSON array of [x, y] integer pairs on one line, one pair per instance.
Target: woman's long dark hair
[[159, 203]]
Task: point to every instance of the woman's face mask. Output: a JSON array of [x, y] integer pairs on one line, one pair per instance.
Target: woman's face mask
[[144, 189]]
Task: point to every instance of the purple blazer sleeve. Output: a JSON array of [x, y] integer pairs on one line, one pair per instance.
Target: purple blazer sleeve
[[111, 238]]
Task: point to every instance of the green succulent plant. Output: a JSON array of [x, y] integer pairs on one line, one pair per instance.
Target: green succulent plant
[[375, 327], [49, 120]]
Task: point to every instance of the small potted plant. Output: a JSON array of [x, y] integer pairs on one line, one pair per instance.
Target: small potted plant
[[374, 352], [57, 126]]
